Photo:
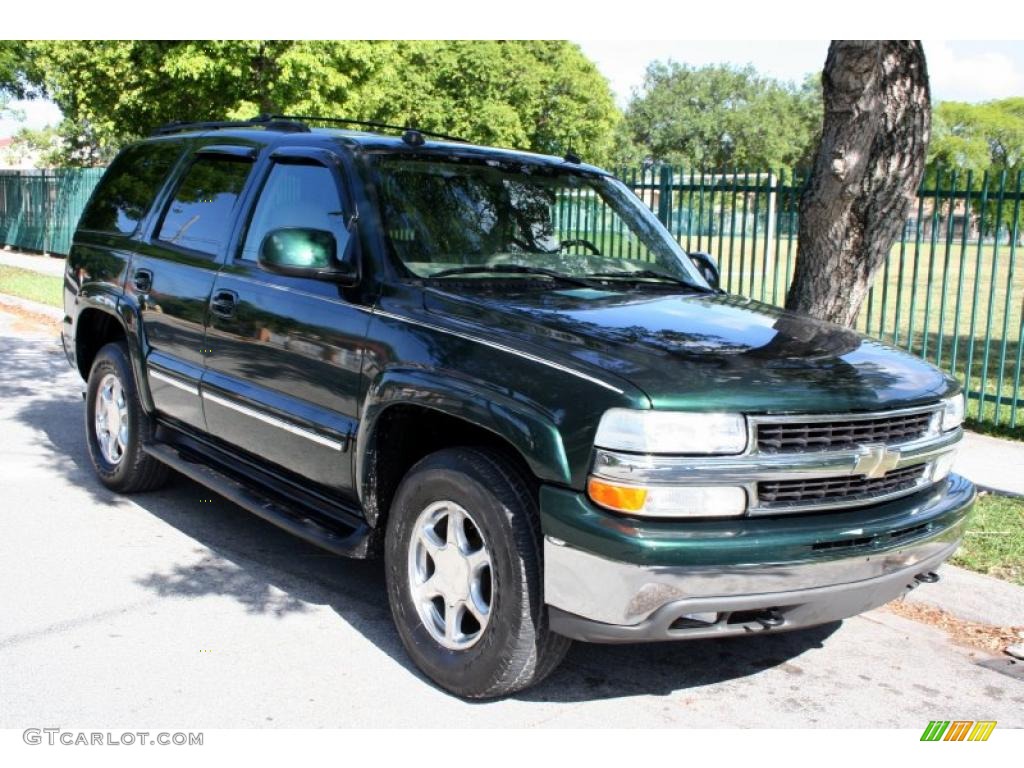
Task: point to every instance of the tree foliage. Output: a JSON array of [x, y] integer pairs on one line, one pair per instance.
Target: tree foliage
[[12, 58], [721, 116], [540, 95], [978, 137]]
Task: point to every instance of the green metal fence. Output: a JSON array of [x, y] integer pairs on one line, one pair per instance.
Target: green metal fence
[[950, 290], [39, 209]]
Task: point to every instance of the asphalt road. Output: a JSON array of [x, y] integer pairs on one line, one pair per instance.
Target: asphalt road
[[178, 609]]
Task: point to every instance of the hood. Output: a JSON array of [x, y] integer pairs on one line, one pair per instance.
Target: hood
[[703, 352]]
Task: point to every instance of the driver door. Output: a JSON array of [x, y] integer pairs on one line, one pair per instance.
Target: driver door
[[283, 368]]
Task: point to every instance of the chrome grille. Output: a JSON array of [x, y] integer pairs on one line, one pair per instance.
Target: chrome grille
[[797, 493], [838, 434]]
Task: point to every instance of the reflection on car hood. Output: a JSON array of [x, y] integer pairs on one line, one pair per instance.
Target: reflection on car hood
[[703, 352]]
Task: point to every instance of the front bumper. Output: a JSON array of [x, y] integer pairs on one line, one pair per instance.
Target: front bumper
[[613, 579]]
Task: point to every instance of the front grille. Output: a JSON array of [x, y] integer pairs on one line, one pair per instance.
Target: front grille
[[839, 434], [785, 493]]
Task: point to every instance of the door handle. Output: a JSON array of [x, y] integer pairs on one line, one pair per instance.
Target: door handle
[[143, 279], [223, 303]]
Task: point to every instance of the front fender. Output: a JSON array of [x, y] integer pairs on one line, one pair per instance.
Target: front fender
[[524, 426]]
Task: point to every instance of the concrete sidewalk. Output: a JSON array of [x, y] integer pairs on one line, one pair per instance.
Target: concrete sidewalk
[[47, 265], [992, 463]]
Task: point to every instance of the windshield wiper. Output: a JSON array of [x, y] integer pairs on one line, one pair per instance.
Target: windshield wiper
[[512, 269], [651, 274]]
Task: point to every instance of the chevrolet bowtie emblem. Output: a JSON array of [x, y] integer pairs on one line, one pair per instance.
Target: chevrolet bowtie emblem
[[876, 460]]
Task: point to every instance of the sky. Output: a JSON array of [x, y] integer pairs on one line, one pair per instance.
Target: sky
[[959, 70]]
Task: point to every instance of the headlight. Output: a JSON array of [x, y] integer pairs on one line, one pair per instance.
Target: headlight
[[668, 500], [952, 412], [622, 429]]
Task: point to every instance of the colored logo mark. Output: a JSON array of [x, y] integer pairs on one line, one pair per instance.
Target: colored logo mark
[[958, 730]]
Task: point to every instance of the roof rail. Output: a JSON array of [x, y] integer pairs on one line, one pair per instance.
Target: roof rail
[[368, 124], [268, 122]]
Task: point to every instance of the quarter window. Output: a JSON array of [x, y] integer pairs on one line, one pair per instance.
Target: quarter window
[[126, 191], [199, 218]]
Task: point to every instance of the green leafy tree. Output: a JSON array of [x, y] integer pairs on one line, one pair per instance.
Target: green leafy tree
[[979, 138], [540, 95], [721, 116], [12, 65]]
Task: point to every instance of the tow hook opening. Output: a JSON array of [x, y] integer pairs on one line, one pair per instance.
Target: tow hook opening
[[768, 618], [927, 578]]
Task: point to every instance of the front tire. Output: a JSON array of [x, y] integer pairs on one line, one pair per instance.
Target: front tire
[[116, 426], [464, 574]]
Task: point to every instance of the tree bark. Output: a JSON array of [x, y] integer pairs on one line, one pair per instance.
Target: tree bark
[[866, 173]]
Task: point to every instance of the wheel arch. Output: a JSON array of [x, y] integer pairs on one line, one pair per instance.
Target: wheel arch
[[102, 321], [432, 411]]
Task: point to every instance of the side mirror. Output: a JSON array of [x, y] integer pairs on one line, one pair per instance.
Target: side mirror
[[707, 266], [311, 253]]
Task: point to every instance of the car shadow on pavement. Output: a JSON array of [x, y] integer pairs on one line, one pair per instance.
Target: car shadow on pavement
[[268, 571], [591, 671]]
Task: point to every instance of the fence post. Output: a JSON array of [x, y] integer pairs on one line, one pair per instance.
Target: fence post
[[665, 195]]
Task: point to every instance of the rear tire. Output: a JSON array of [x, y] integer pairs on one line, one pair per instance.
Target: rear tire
[[490, 571], [116, 426]]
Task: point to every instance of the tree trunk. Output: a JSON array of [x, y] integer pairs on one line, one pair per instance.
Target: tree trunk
[[866, 173]]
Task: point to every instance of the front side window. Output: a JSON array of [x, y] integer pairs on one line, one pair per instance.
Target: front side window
[[199, 218], [295, 196], [127, 189], [448, 217]]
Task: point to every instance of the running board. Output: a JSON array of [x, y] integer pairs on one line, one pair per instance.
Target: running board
[[347, 541]]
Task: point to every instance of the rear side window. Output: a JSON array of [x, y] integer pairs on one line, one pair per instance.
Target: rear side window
[[199, 218], [126, 191]]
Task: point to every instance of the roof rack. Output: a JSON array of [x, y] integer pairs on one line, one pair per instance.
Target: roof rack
[[268, 122], [369, 124], [297, 124]]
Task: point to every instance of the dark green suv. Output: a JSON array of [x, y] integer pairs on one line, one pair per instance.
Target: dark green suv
[[500, 372]]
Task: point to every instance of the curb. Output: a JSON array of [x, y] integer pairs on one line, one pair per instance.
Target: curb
[[998, 492], [33, 307]]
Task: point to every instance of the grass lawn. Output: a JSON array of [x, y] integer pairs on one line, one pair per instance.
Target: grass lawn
[[26, 284], [994, 543]]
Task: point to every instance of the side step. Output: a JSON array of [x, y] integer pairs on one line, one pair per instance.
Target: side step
[[347, 542]]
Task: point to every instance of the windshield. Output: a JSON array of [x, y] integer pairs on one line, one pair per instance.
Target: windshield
[[451, 217]]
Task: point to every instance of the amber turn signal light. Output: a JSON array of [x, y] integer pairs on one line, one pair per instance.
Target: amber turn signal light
[[622, 498]]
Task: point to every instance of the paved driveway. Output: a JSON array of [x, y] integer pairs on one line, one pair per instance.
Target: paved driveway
[[179, 609]]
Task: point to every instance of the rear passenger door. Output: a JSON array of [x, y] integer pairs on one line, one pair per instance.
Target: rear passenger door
[[173, 273], [282, 376]]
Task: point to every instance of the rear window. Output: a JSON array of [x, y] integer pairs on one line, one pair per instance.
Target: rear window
[[126, 191], [199, 218]]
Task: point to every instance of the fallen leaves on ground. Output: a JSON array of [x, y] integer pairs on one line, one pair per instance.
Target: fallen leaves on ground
[[26, 321], [969, 633]]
